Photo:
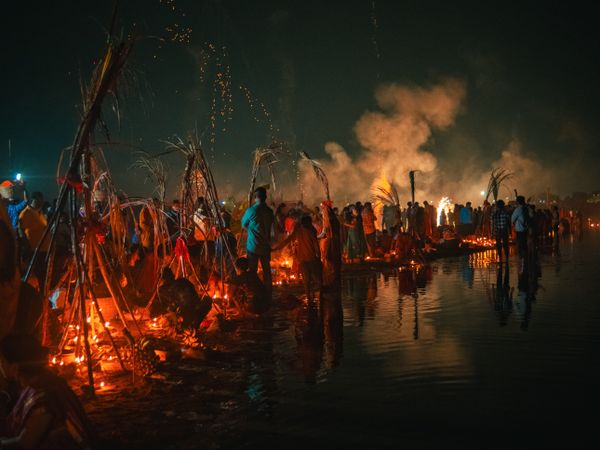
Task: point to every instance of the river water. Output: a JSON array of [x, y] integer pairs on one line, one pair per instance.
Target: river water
[[460, 354]]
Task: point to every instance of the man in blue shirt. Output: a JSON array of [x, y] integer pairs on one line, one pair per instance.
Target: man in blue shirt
[[466, 219], [14, 208], [520, 219], [258, 221]]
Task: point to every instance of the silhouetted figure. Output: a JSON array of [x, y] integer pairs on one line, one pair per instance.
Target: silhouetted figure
[[521, 219], [180, 297], [307, 255], [258, 221], [247, 290], [331, 248], [555, 229], [501, 229]]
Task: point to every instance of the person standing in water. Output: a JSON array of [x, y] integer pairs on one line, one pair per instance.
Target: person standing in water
[[308, 255], [501, 229], [258, 221], [520, 219], [331, 251]]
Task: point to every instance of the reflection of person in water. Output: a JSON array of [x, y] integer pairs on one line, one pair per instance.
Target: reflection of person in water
[[424, 274], [309, 337], [259, 366], [333, 328], [355, 289], [371, 305], [468, 272], [502, 295], [407, 284], [528, 285], [247, 290]]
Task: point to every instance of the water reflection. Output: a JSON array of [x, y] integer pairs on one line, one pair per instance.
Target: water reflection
[[447, 339], [259, 370], [309, 338], [333, 328], [319, 335], [528, 287], [502, 295]]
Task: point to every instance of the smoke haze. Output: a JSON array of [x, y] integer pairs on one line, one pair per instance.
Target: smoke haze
[[400, 136]]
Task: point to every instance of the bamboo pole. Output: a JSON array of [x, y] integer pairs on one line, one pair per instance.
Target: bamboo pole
[[80, 286]]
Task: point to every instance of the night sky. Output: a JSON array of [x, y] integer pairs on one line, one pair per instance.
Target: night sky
[[531, 72]]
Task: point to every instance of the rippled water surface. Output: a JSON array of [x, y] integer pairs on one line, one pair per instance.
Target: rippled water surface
[[455, 355]]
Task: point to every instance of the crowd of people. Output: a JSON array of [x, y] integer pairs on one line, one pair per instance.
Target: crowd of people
[[317, 240]]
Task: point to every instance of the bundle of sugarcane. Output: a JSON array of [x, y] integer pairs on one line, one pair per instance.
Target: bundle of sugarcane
[[318, 170], [111, 214], [198, 179], [156, 173], [188, 189], [497, 177], [104, 81], [387, 196], [205, 181], [267, 156]]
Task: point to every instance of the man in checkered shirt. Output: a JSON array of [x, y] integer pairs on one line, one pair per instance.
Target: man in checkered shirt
[[501, 228]]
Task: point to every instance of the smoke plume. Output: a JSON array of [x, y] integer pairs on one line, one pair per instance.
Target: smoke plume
[[392, 140], [400, 136]]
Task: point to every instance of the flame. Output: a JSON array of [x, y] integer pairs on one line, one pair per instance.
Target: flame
[[442, 205]]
